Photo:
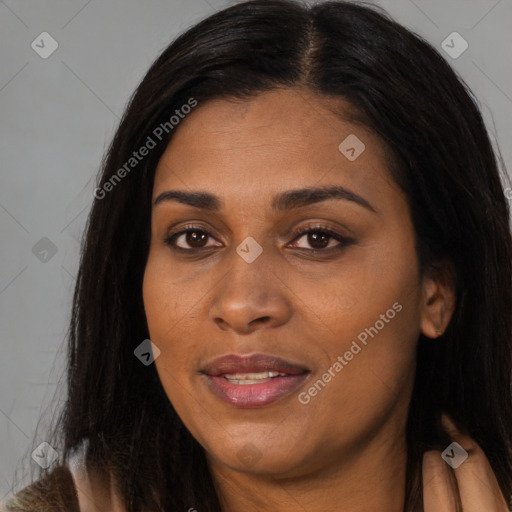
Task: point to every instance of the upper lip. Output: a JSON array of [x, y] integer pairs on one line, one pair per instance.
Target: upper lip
[[253, 363]]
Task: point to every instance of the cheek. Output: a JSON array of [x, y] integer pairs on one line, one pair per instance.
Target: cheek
[[167, 301], [372, 355], [170, 314], [371, 371], [159, 297]]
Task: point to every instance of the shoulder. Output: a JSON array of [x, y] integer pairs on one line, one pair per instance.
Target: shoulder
[[73, 489], [94, 487], [54, 492]]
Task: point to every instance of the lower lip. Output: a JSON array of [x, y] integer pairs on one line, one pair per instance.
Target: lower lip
[[254, 395]]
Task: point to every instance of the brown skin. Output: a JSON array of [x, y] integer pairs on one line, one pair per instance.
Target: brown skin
[[344, 450]]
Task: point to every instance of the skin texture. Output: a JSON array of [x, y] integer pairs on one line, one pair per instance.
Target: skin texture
[[345, 449]]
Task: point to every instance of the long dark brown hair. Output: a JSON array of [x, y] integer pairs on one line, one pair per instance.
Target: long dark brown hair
[[442, 158]]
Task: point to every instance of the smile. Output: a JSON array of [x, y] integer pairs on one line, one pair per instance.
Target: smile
[[253, 381], [242, 379]]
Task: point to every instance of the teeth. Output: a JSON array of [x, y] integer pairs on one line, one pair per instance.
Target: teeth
[[252, 378]]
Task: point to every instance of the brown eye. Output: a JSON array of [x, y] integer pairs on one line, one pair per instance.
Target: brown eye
[[196, 238], [318, 238], [193, 238]]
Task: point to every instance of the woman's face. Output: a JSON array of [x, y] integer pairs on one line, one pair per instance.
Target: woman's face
[[344, 307]]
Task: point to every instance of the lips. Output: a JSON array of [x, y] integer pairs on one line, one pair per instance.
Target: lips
[[253, 381], [256, 363]]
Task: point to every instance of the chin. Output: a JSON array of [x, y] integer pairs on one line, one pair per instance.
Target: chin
[[272, 460]]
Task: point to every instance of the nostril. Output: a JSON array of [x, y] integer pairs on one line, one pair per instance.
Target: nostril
[[260, 320]]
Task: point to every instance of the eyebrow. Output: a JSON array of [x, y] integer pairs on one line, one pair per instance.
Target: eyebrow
[[288, 200]]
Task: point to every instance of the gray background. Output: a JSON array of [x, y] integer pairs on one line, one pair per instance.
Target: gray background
[[57, 117]]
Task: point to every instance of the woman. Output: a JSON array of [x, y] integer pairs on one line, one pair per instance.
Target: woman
[[302, 210]]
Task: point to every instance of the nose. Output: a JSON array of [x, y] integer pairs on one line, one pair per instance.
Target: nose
[[251, 296]]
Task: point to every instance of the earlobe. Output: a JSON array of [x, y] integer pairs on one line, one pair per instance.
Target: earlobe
[[438, 304]]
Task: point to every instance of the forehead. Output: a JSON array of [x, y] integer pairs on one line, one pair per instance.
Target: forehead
[[277, 140]]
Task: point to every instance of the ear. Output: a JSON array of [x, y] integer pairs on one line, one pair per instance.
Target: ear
[[439, 299]]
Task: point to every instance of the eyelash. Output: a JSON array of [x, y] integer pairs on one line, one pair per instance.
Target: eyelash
[[297, 234]]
